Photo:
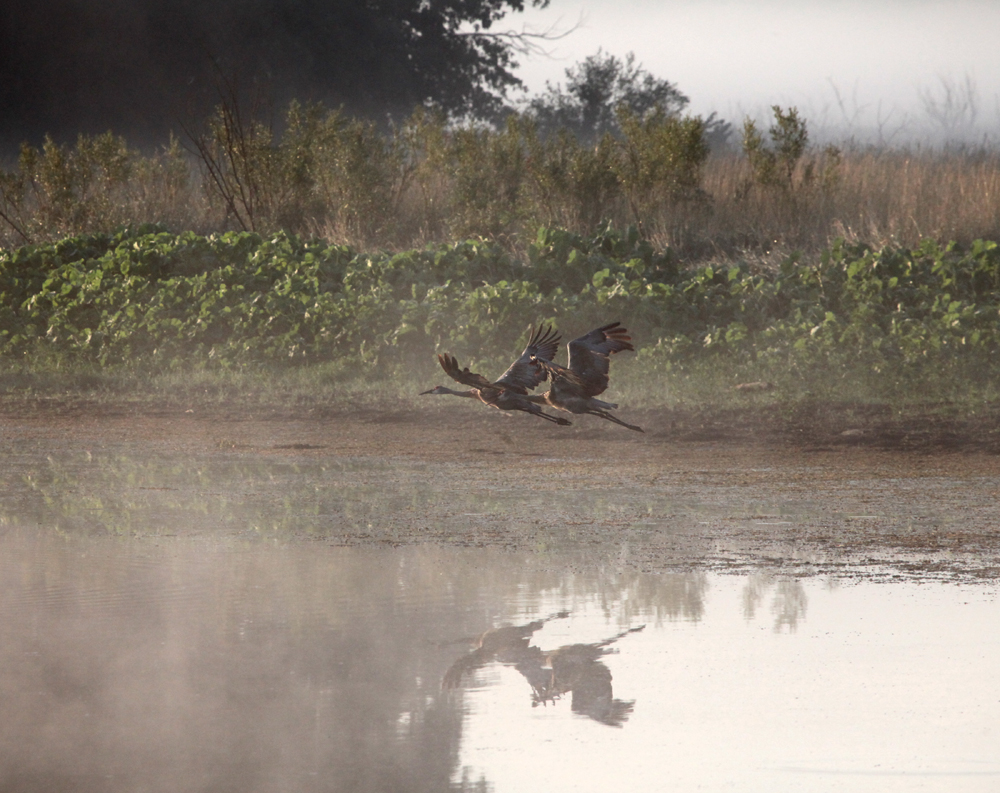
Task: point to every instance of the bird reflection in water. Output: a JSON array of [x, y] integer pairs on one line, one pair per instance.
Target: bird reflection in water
[[574, 669], [509, 645]]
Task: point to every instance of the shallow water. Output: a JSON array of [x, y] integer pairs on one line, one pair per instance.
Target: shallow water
[[190, 623], [778, 685]]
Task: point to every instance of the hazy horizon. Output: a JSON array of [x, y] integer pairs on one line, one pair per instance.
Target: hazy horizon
[[851, 67]]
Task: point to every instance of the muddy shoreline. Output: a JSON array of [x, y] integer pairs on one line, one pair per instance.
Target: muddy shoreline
[[806, 425], [839, 493]]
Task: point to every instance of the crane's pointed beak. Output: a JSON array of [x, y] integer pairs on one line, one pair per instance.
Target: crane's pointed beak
[[431, 391]]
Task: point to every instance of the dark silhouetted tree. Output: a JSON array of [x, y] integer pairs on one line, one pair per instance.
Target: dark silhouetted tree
[[141, 66]]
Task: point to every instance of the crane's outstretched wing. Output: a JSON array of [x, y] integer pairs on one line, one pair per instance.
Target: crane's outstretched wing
[[526, 373], [469, 662], [464, 376], [589, 355]]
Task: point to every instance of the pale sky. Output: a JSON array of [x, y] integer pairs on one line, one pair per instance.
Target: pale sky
[[738, 57]]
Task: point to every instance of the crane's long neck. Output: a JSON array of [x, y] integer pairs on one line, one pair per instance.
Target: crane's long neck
[[472, 393]]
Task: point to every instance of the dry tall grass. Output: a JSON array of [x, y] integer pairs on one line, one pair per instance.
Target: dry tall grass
[[874, 196], [424, 183]]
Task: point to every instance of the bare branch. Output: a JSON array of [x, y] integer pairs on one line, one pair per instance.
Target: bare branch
[[857, 109], [954, 106], [15, 204], [525, 41], [4, 216]]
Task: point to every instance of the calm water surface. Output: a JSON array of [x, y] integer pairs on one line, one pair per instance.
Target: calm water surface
[[154, 637]]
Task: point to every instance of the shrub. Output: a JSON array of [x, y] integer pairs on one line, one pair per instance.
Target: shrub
[[152, 300]]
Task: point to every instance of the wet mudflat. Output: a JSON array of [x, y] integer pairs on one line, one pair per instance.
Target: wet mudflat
[[202, 604]]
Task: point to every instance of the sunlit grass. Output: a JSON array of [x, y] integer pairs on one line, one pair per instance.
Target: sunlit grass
[[425, 183]]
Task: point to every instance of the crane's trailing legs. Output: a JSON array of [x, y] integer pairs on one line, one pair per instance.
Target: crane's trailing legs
[[605, 415]]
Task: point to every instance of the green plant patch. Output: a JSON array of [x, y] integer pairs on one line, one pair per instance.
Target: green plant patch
[[897, 321]]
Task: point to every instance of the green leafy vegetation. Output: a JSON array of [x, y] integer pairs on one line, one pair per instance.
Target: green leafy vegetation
[[894, 323], [314, 248]]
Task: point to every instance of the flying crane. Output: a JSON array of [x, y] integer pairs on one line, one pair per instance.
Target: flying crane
[[574, 388], [510, 390]]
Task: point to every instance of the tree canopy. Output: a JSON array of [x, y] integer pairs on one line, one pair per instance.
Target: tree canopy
[[595, 88], [598, 87], [140, 67]]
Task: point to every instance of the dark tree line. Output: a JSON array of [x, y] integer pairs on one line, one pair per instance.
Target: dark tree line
[[142, 67]]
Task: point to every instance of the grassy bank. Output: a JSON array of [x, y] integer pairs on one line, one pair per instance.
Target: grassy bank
[[281, 318]]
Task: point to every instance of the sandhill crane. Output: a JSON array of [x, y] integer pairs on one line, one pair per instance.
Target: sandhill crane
[[510, 390], [574, 669], [510, 644], [574, 389]]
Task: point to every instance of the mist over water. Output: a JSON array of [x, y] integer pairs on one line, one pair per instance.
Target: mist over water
[[222, 666], [201, 667], [247, 621]]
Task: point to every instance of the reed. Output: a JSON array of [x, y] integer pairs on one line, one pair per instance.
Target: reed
[[887, 196]]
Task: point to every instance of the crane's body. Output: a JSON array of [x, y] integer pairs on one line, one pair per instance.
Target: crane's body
[[510, 390], [510, 644], [575, 388]]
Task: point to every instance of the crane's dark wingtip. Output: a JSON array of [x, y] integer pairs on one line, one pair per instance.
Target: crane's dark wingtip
[[543, 341]]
